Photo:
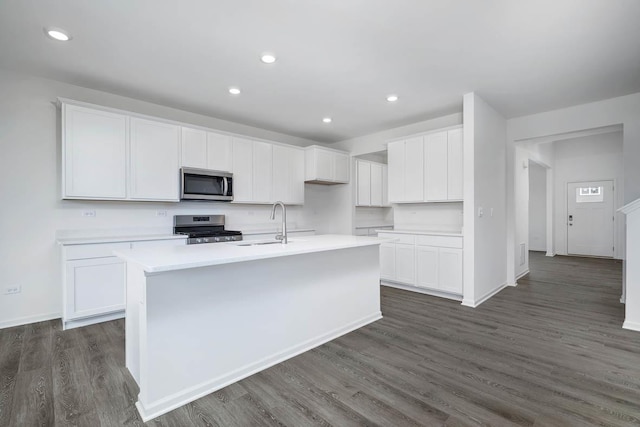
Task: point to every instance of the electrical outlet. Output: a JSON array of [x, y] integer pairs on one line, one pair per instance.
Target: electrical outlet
[[89, 214], [12, 289], [480, 212], [161, 213]]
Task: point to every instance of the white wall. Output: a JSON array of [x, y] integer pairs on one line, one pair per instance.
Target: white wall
[[624, 111], [378, 141], [365, 216], [32, 211], [485, 253], [592, 158], [537, 207], [431, 217]]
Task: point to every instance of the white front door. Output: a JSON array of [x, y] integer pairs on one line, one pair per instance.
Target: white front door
[[590, 218]]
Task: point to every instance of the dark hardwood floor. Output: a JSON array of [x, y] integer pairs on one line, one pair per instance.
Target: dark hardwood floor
[[550, 352]]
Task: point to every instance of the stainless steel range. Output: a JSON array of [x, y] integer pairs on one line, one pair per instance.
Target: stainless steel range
[[204, 229]]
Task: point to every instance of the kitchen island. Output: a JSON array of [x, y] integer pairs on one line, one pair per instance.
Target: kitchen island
[[201, 317]]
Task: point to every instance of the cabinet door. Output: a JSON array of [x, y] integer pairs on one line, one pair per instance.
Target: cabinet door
[[342, 167], [94, 286], [435, 164], [395, 155], [262, 172], [154, 160], [413, 170], [194, 148], [455, 167], [364, 183], [95, 154], [450, 270], [427, 266], [242, 170], [325, 165], [406, 263], [296, 179], [219, 152], [388, 261], [376, 184], [288, 175], [385, 185]]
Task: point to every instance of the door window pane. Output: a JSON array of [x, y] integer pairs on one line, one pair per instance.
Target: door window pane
[[589, 194]]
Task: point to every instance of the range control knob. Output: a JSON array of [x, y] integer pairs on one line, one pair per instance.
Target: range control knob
[[198, 240], [228, 238], [216, 239]]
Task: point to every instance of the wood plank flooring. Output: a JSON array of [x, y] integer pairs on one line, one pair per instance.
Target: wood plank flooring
[[549, 352]]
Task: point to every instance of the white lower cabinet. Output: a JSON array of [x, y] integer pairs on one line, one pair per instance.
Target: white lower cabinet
[[94, 281], [95, 286], [425, 263], [388, 261]]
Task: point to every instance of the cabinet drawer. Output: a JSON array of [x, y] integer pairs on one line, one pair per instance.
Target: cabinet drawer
[[145, 244], [440, 241], [98, 250], [408, 239]]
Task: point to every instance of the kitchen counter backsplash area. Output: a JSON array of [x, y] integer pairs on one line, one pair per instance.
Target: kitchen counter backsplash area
[[436, 217]]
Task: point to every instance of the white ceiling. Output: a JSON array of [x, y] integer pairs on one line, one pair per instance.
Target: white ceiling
[[337, 58]]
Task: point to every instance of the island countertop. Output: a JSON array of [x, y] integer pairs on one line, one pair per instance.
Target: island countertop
[[162, 259]]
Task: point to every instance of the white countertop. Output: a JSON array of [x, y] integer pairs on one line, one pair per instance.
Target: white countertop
[[85, 240], [277, 230], [156, 260], [424, 232]]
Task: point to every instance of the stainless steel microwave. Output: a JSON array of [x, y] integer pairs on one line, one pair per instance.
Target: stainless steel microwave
[[205, 184]]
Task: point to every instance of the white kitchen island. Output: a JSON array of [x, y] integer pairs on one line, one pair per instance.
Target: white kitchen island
[[201, 317]]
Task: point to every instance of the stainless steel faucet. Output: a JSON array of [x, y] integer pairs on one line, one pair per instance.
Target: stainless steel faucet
[[282, 236]]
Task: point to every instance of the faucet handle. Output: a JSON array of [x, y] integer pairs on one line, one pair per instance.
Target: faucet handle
[[279, 237]]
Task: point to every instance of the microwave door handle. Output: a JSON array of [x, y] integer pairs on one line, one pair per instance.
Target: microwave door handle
[[225, 186]]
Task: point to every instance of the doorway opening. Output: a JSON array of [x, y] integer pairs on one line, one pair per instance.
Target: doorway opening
[[590, 218]]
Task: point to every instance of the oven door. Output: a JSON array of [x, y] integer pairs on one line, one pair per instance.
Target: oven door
[[204, 184]]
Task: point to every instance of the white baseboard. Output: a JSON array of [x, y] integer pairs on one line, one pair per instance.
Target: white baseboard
[[471, 303], [524, 273], [29, 319], [189, 395], [77, 323], [551, 254], [425, 291], [632, 326]]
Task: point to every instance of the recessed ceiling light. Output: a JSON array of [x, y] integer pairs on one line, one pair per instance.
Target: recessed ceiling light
[[57, 34], [234, 91], [392, 98], [327, 120], [268, 58]]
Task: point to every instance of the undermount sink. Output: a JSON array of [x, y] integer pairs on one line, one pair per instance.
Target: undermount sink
[[258, 243]]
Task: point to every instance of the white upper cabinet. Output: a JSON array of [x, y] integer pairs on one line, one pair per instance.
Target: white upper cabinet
[[426, 168], [385, 185], [242, 170], [94, 147], [395, 156], [371, 184], [455, 165], [219, 152], [262, 172], [154, 160], [206, 150], [413, 170], [326, 166], [364, 183], [435, 167], [288, 175], [113, 155], [194, 148], [406, 171], [253, 178]]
